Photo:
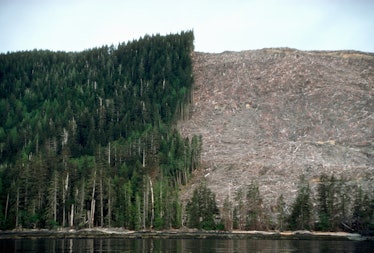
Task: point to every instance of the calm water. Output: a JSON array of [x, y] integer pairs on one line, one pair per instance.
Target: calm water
[[181, 245]]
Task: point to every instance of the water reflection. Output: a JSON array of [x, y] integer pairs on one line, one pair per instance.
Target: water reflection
[[180, 245]]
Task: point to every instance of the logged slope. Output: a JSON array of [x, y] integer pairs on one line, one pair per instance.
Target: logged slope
[[273, 115]]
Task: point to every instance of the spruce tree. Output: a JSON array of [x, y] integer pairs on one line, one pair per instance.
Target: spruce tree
[[301, 209], [202, 209]]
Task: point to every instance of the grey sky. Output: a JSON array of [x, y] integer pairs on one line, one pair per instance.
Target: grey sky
[[74, 25]]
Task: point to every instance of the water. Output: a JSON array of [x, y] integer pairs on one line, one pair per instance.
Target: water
[[181, 245]]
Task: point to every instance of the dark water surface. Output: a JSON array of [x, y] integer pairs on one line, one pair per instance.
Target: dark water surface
[[181, 245]]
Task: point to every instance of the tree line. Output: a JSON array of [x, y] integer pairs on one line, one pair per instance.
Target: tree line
[[88, 138], [334, 205]]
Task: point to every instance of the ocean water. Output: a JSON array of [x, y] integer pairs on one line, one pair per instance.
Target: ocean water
[[181, 245]]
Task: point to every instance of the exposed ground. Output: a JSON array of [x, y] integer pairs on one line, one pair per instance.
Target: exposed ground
[[178, 234], [273, 115]]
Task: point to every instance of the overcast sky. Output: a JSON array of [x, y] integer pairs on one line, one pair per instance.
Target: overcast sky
[[235, 25]]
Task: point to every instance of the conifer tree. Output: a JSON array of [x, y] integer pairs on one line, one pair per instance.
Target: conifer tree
[[227, 213], [301, 209], [202, 208], [58, 109], [363, 212], [281, 217]]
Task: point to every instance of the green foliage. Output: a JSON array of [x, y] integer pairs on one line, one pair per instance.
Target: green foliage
[[84, 134], [363, 212], [328, 197], [247, 211], [79, 133], [301, 209], [202, 208], [95, 96]]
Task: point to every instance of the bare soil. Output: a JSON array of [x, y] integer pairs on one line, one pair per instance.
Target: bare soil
[[273, 115]]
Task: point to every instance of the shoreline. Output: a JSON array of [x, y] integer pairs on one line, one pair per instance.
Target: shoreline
[[179, 234]]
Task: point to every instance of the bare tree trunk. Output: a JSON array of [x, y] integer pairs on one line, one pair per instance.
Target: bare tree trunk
[[109, 205], [101, 199], [92, 213], [6, 207], [89, 217], [64, 191], [161, 202], [17, 207], [55, 199], [144, 208], [81, 208], [144, 157], [152, 203], [109, 153], [63, 212], [72, 215]]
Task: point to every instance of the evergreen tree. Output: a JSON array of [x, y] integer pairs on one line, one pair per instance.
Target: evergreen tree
[[255, 219], [328, 209], [301, 209], [202, 208], [363, 212], [94, 125]]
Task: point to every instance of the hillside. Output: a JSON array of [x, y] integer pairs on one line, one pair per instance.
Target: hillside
[[87, 138], [123, 136], [273, 115]]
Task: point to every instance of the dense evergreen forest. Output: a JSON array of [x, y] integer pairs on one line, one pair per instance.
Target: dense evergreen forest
[[88, 139]]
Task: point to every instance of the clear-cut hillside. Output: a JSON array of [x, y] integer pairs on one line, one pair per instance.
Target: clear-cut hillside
[[273, 115]]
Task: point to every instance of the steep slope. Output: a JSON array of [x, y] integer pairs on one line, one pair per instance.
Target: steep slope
[[273, 115], [88, 137]]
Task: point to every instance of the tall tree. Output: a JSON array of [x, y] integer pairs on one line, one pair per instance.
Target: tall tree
[[281, 213], [202, 208], [302, 208], [255, 217], [227, 213], [58, 109]]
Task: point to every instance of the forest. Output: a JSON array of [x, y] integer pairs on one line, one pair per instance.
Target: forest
[[89, 139], [334, 205]]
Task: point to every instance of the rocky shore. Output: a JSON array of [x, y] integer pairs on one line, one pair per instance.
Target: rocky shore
[[179, 234]]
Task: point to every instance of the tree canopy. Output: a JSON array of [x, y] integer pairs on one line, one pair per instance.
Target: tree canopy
[[87, 138]]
